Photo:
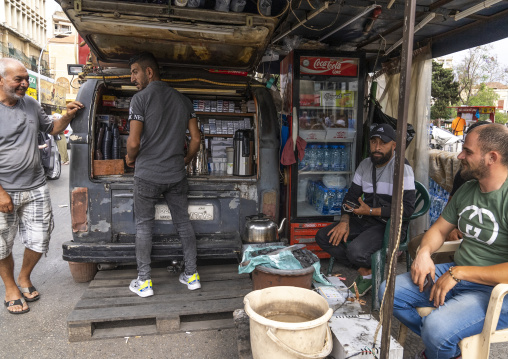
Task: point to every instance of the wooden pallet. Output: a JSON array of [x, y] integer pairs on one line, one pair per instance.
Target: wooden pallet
[[108, 309]]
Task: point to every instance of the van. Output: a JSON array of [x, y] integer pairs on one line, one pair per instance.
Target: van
[[206, 56]]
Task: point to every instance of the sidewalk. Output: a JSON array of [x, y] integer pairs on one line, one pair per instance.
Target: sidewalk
[[413, 342]]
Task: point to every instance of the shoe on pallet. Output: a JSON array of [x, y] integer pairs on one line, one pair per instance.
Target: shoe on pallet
[[363, 285], [143, 288], [193, 281]]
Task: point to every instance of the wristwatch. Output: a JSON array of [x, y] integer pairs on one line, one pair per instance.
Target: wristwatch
[[370, 211]]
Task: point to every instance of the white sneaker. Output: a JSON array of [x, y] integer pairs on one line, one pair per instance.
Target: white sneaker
[[141, 288], [193, 281]]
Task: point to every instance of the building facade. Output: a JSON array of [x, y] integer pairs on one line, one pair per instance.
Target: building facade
[[23, 29]]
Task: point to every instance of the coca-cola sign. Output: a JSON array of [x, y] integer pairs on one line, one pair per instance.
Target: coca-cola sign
[[337, 66]]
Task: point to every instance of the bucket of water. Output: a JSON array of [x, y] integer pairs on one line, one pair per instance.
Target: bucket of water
[[288, 323]]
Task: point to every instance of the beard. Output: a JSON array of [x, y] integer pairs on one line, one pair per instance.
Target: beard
[[11, 92], [380, 160], [477, 173]]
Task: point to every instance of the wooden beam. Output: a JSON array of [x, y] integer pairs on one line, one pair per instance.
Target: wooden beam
[[398, 177]]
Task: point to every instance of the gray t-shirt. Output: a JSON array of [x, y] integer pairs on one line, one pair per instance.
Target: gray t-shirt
[[165, 114], [20, 160]]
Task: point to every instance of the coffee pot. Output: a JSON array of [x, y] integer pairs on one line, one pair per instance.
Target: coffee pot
[[243, 144]]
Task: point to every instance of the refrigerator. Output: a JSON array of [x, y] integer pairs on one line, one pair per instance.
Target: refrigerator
[[323, 96]]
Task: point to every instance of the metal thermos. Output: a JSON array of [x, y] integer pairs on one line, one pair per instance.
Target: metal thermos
[[243, 144], [199, 164]]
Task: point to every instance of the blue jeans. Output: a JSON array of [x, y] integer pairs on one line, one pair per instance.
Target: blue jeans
[[461, 316], [146, 195]]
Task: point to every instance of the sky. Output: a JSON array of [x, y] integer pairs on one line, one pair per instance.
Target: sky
[[500, 49]]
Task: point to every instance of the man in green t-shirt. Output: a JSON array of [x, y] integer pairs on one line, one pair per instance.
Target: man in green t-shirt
[[480, 212]]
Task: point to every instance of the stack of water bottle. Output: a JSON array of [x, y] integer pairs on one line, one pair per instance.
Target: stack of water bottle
[[325, 158], [438, 200], [326, 200]]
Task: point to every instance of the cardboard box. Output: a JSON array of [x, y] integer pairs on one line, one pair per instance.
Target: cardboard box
[[313, 135], [339, 133], [108, 167]]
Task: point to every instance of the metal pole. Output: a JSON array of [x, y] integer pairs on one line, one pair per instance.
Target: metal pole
[[398, 178], [39, 73]]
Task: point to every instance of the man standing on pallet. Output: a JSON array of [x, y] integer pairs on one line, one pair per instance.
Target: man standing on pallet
[[159, 117], [25, 206], [359, 234], [463, 288]]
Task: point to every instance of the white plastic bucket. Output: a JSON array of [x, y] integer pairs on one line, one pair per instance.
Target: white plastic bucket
[[299, 328]]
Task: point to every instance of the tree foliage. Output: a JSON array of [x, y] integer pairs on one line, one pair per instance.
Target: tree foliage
[[444, 92], [479, 66], [501, 117], [485, 96]]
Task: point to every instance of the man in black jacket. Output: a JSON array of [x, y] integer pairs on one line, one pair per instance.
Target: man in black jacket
[[363, 222]]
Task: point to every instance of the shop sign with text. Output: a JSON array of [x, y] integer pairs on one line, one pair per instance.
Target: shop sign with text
[[336, 66]]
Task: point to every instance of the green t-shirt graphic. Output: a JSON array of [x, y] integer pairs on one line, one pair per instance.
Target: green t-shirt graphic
[[483, 220]]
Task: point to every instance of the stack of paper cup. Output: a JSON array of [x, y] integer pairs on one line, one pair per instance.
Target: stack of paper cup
[[230, 154]]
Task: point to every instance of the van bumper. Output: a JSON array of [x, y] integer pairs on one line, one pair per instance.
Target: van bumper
[[126, 252]]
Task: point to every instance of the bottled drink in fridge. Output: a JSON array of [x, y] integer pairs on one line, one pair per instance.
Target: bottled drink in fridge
[[341, 158], [345, 158], [325, 209], [335, 158], [303, 165], [326, 157], [319, 158], [312, 158]]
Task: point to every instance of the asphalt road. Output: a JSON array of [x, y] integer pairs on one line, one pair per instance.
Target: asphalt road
[[42, 333]]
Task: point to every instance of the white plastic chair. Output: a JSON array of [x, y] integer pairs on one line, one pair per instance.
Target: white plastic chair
[[476, 346]]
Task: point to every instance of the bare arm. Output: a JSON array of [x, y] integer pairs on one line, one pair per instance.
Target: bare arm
[[62, 123], [431, 242], [489, 275], [194, 141], [133, 142], [6, 205]]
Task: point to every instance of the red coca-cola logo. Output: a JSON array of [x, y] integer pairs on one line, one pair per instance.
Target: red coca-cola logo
[[329, 66]]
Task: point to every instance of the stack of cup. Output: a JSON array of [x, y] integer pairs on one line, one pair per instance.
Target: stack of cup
[[230, 154]]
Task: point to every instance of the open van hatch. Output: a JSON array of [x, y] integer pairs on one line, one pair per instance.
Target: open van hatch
[[117, 30]]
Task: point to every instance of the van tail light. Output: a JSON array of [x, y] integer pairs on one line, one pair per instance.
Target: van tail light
[[79, 209], [66, 132]]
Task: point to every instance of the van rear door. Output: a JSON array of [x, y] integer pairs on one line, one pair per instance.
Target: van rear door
[[117, 30]]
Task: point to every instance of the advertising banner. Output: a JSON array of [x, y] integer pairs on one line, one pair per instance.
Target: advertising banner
[[52, 94], [330, 66]]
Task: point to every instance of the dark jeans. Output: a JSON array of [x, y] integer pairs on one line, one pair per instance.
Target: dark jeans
[[365, 238], [146, 195]]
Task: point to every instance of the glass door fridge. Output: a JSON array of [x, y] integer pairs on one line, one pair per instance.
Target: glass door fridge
[[323, 93]]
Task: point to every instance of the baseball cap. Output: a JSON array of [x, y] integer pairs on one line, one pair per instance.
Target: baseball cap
[[383, 131]]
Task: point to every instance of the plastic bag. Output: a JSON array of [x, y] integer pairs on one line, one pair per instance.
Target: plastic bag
[[381, 117], [283, 260]]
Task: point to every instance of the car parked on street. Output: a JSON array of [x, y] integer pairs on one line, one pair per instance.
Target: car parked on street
[[50, 157]]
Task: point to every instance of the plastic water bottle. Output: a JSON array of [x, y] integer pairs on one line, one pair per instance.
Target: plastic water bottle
[[327, 199], [341, 158], [340, 197], [319, 158], [335, 158], [318, 204], [312, 158], [326, 157], [345, 158], [303, 165]]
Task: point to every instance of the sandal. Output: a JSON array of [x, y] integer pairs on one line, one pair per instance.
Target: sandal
[[29, 290], [12, 303]]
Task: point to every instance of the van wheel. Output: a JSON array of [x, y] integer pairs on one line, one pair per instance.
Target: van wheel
[[57, 169], [82, 272]]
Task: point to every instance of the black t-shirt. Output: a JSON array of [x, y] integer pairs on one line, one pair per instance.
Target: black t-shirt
[[457, 182]]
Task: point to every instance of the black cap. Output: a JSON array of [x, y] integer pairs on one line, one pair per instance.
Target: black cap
[[383, 131]]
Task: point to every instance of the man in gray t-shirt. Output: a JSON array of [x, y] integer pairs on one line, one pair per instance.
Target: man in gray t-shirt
[[159, 117], [25, 206]]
